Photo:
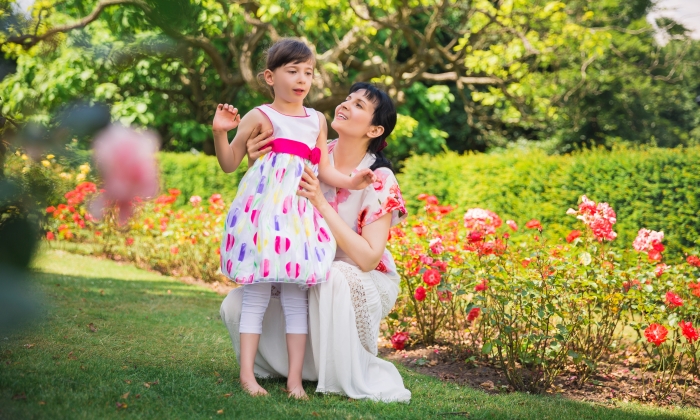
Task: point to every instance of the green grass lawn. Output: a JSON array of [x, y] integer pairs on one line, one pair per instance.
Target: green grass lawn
[[162, 343]]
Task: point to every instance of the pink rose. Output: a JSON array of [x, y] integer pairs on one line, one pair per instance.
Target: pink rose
[[125, 159], [398, 340]]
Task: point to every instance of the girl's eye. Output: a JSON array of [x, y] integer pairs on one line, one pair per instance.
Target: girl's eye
[[358, 105], [292, 71]]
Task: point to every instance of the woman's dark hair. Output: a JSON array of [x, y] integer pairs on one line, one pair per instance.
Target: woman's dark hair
[[384, 115], [283, 52]]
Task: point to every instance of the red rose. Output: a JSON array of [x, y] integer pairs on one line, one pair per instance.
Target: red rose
[[50, 209], [398, 340], [129, 241], [50, 236], [444, 296], [660, 269], [441, 266], [420, 230], [511, 224], [174, 191], [476, 236], [533, 224], [426, 259], [654, 256], [431, 277], [422, 197], [695, 288], [573, 235], [420, 293], [431, 200], [656, 334], [473, 314], [174, 250], [693, 260], [436, 246], [690, 333], [673, 300], [483, 285]]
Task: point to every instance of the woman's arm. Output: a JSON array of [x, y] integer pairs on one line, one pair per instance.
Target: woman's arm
[[365, 250], [331, 176]]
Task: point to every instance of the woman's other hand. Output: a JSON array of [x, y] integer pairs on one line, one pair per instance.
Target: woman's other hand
[[310, 187], [257, 142]]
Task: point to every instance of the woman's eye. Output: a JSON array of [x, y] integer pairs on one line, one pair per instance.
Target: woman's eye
[[292, 71]]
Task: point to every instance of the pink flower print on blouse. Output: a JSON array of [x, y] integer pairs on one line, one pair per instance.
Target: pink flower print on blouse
[[342, 195], [361, 220], [381, 179], [393, 202]]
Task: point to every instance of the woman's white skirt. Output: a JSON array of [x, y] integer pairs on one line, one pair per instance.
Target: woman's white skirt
[[341, 352]]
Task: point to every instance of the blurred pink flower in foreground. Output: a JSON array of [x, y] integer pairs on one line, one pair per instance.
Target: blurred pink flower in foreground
[[126, 161]]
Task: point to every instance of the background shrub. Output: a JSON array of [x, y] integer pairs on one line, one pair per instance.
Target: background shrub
[[654, 188]]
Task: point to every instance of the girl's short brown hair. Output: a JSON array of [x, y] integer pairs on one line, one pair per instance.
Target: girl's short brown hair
[[283, 52]]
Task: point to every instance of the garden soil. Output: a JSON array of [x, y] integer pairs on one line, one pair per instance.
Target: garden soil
[[621, 379]]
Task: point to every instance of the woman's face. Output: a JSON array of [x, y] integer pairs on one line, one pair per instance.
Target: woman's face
[[353, 117]]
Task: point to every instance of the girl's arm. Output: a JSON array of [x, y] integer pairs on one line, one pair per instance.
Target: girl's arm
[[226, 119], [331, 176], [365, 250]]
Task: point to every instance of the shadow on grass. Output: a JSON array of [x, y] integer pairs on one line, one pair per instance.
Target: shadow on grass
[[151, 347]]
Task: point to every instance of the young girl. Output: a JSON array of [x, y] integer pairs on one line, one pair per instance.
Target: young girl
[[271, 234]]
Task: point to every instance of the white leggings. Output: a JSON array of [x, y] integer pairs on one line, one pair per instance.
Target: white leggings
[[294, 304]]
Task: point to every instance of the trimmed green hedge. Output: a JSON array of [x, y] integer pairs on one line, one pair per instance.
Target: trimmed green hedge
[[654, 188]]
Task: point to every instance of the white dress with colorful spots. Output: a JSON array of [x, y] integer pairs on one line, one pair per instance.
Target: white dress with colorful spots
[[271, 234]]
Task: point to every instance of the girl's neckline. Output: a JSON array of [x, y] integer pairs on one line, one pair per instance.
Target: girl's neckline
[[287, 115]]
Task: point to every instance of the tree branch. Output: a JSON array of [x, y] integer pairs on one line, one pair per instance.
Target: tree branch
[[29, 40], [453, 77]]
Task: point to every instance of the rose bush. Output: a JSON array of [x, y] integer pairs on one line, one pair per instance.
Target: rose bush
[[182, 242], [537, 307]]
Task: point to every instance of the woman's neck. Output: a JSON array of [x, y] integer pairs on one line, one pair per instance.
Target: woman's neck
[[348, 153], [288, 108]]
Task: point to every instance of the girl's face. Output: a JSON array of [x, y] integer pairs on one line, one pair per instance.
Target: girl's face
[[292, 81], [353, 117]]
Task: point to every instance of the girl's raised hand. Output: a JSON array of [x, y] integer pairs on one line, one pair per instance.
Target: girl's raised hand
[[362, 178], [226, 118]]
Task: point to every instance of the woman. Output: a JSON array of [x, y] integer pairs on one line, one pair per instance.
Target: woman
[[345, 312]]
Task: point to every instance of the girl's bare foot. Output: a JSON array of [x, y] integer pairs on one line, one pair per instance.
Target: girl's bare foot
[[297, 392], [253, 388]]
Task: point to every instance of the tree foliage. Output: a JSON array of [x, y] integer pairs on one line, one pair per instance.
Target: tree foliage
[[470, 74]]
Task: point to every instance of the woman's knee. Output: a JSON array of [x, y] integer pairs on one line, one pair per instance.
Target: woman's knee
[[230, 310]]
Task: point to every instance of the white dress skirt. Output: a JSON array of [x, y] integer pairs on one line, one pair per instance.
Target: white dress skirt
[[341, 352]]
